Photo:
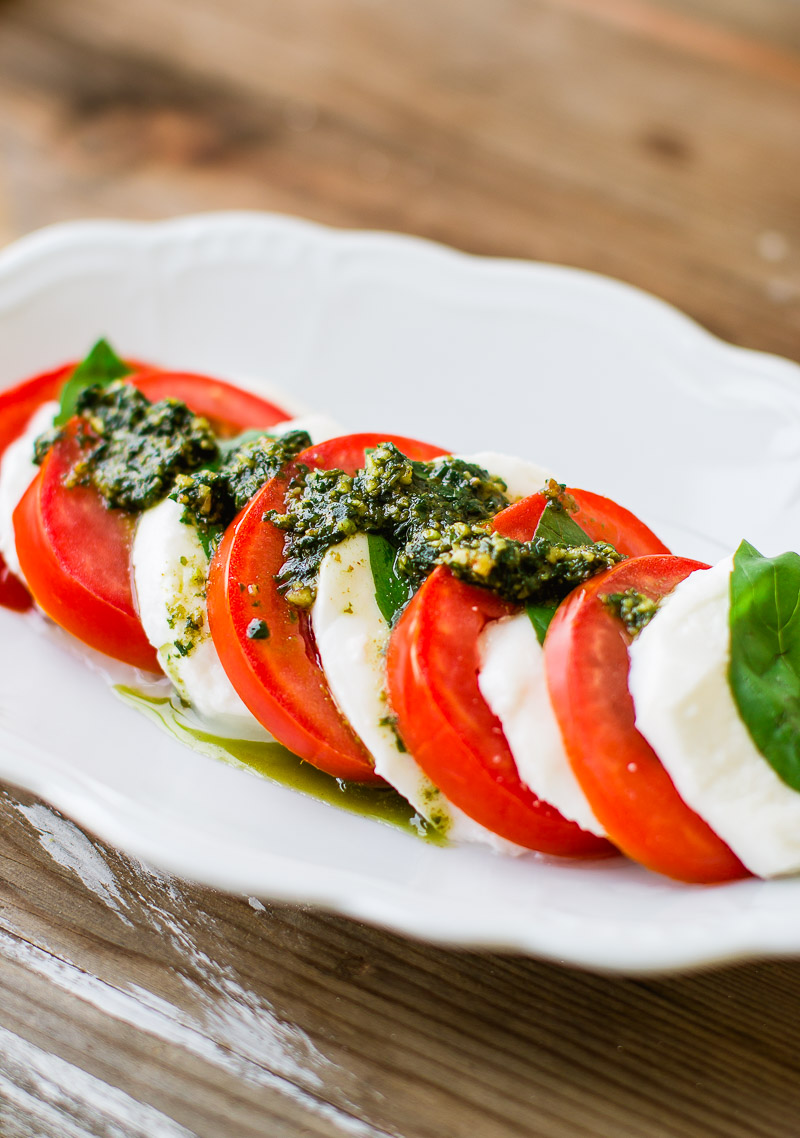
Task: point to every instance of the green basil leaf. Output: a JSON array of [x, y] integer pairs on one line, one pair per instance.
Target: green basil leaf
[[540, 617], [557, 526], [764, 669], [391, 590], [210, 537], [101, 366]]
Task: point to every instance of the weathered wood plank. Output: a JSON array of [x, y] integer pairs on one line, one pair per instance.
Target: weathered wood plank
[[229, 1017], [563, 130]]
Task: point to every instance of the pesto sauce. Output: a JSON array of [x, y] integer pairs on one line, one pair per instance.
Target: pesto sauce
[[132, 450], [212, 498], [635, 610], [434, 513], [276, 763], [411, 504]]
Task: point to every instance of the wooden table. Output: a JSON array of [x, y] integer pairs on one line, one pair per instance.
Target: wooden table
[[655, 140]]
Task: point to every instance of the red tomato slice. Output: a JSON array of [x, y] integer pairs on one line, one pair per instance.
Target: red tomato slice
[[17, 405], [586, 660], [229, 409], [432, 677], [75, 555], [601, 518], [279, 678], [433, 685]]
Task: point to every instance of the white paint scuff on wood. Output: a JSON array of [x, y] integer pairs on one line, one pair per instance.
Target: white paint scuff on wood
[[222, 1022]]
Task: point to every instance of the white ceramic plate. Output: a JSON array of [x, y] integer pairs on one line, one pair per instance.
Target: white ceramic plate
[[609, 387]]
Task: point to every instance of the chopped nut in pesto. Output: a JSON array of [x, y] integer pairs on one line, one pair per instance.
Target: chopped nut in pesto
[[132, 449], [634, 609], [432, 513]]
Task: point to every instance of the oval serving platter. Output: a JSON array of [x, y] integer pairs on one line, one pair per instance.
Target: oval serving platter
[[609, 387]]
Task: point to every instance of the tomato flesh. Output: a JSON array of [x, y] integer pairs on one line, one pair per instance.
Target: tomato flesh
[[279, 678], [17, 406], [601, 518], [586, 662], [75, 556], [432, 677], [230, 410]]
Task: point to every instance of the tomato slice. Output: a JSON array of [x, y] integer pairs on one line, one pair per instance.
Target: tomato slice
[[75, 556], [19, 403], [229, 409], [601, 518], [279, 678], [432, 678], [443, 718], [586, 661], [73, 550]]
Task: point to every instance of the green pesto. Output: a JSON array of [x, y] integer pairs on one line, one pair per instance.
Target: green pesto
[[132, 450], [411, 504], [257, 630], [276, 763], [434, 513], [635, 610], [213, 498]]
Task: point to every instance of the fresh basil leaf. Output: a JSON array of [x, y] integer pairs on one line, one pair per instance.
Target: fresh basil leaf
[[101, 366], [391, 590], [540, 617], [209, 537], [557, 526], [764, 669]]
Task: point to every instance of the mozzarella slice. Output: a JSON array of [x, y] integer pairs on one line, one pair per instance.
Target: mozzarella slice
[[686, 711], [17, 471], [352, 636], [319, 427], [522, 478], [170, 569], [513, 683]]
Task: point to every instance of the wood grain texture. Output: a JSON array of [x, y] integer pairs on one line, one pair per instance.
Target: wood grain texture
[[175, 1009], [656, 140], [653, 141]]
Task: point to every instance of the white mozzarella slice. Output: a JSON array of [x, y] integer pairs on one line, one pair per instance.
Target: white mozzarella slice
[[686, 711], [351, 635], [170, 569], [513, 683], [522, 478], [319, 427], [17, 471]]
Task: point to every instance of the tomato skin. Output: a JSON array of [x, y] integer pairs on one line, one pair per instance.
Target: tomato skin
[[75, 556], [17, 405], [586, 662], [229, 409], [432, 676], [601, 518], [279, 678]]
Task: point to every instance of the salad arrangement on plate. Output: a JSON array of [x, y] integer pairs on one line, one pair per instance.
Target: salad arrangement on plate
[[524, 662]]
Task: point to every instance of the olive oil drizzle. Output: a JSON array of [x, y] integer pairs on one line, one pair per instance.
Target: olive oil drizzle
[[273, 761]]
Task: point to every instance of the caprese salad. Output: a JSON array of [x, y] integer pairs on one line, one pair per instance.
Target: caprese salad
[[525, 663]]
